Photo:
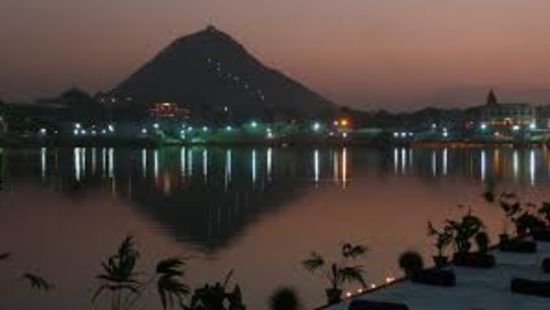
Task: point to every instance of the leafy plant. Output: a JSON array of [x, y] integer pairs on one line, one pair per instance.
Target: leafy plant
[[443, 237], [482, 242], [120, 279], [545, 211], [527, 222], [411, 263], [511, 207], [215, 297], [339, 272], [463, 230]]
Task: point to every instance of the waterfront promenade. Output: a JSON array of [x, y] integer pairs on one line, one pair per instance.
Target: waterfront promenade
[[477, 289]]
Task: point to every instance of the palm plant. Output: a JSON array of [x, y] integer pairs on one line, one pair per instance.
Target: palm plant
[[120, 279], [340, 271]]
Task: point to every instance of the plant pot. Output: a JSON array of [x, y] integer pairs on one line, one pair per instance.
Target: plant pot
[[531, 287], [440, 261], [503, 238], [518, 246], [474, 260], [435, 277], [542, 235], [376, 305], [334, 295]]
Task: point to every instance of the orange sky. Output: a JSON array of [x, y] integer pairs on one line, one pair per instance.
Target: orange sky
[[396, 54]]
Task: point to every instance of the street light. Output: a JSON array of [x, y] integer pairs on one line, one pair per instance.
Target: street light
[[316, 126], [254, 124]]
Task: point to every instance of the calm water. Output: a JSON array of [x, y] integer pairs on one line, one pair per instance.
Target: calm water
[[258, 211]]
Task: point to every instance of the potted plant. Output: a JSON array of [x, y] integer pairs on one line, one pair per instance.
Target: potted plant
[[545, 212], [338, 272], [523, 221], [443, 239], [543, 233], [510, 206], [411, 263], [470, 226], [463, 230], [527, 223], [217, 296]]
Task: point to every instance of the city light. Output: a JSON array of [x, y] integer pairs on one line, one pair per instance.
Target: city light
[[316, 126], [532, 126], [111, 128], [77, 126], [395, 134], [403, 134], [254, 124], [445, 134], [344, 135], [228, 128], [204, 128], [156, 125], [43, 131], [144, 131], [483, 126], [515, 127]]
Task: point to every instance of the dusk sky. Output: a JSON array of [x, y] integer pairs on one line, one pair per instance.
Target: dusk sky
[[393, 54]]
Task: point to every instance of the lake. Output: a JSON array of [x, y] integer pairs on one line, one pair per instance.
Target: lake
[[257, 211]]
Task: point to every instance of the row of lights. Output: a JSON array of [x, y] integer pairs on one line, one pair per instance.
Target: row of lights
[[372, 286]]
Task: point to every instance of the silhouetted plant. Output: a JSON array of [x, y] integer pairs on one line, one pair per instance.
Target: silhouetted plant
[[463, 230], [411, 263], [284, 298], [545, 211], [511, 207], [36, 282], [340, 271], [482, 242], [443, 238], [120, 279], [526, 223], [215, 297]]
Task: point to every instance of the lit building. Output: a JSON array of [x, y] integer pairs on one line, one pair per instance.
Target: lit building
[[168, 110], [505, 115]]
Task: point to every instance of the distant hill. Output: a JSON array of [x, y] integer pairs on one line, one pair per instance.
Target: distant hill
[[215, 75]]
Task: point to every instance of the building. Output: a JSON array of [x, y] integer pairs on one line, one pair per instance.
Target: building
[[505, 115], [168, 110]]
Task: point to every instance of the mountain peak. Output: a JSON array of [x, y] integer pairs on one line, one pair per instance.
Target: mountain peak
[[209, 70]]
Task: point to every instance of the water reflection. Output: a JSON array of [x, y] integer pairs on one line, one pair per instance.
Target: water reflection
[[239, 184], [43, 161]]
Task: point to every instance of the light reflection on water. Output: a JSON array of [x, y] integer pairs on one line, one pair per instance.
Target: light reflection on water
[[241, 201]]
